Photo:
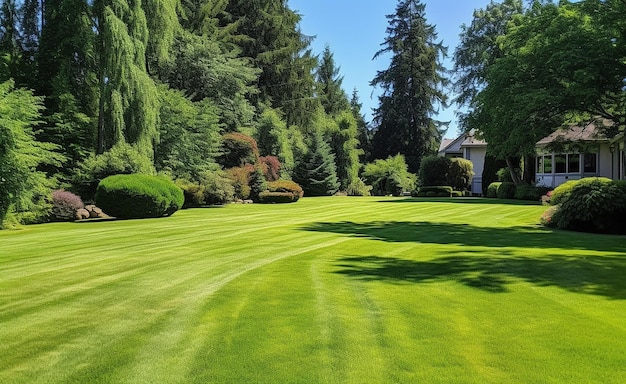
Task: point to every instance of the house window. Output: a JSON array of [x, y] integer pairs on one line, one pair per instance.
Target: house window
[[573, 163], [590, 163], [560, 163], [547, 164]]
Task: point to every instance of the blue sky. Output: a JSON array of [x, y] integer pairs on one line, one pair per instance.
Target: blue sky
[[354, 30]]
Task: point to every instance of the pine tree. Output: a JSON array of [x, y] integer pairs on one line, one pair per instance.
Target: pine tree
[[316, 172], [268, 33], [412, 87], [332, 96], [363, 133]]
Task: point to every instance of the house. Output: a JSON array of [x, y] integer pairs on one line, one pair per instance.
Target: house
[[469, 147], [579, 151]]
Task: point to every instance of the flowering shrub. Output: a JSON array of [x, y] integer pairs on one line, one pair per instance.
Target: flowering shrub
[[546, 218], [547, 198], [64, 205]]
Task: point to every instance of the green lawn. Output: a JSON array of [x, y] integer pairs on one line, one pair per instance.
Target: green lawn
[[327, 290]]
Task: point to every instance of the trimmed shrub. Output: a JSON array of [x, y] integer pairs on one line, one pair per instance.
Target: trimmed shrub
[[434, 170], [138, 196], [547, 217], [441, 191], [594, 204], [460, 174], [281, 191], [506, 190], [431, 194], [457, 194], [530, 192], [64, 205], [492, 189]]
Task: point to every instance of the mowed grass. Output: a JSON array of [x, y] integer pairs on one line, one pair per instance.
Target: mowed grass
[[327, 290]]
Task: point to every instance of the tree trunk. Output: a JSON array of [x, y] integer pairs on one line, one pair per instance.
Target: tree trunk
[[514, 175]]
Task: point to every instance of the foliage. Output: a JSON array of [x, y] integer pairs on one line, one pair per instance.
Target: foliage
[[364, 135], [490, 169], [547, 218], [592, 204], [389, 177], [138, 196], [237, 150], [434, 170], [530, 192], [189, 135], [65, 204], [24, 189], [275, 139], [240, 178], [412, 87], [492, 189], [270, 166], [329, 85], [212, 188], [344, 143], [433, 191], [506, 190], [358, 187], [281, 191], [122, 158], [316, 171], [460, 174], [504, 174]]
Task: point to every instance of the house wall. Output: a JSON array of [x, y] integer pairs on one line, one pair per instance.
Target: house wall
[[477, 156]]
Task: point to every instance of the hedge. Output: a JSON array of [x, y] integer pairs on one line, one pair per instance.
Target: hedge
[[138, 196]]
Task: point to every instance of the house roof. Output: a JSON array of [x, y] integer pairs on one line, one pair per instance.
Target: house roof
[[456, 145], [580, 132], [445, 143], [472, 141]]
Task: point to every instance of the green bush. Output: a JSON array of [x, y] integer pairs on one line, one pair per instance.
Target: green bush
[[530, 192], [439, 190], [212, 188], [457, 194], [358, 188], [460, 174], [281, 191], [434, 170], [506, 190], [389, 177], [123, 158], [592, 204], [138, 196], [492, 189]]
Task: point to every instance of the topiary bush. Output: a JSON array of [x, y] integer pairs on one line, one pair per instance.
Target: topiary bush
[[434, 170], [138, 196], [506, 190], [65, 205], [594, 204], [440, 191], [281, 191]]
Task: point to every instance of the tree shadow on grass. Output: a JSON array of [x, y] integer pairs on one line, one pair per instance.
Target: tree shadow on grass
[[461, 200], [470, 235], [597, 275]]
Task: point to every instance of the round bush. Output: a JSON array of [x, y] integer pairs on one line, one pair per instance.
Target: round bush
[[506, 190], [138, 196], [434, 170], [492, 190], [592, 204]]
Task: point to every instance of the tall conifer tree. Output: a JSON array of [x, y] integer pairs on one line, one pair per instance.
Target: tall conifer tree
[[332, 96], [412, 87]]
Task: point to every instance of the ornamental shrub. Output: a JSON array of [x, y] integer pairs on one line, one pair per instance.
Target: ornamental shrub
[[138, 196], [492, 189], [530, 192], [270, 166], [594, 204], [281, 191], [212, 188], [389, 177], [358, 188], [506, 190], [238, 149], [440, 191], [460, 174], [64, 205], [434, 170]]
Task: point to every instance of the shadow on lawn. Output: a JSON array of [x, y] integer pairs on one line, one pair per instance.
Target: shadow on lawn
[[597, 275], [461, 200], [470, 235]]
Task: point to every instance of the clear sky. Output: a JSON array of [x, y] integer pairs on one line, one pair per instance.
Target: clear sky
[[354, 30]]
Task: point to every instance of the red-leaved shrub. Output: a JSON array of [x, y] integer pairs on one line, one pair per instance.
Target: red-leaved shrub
[[271, 167], [65, 204]]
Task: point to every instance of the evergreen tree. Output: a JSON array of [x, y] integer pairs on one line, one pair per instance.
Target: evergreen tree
[[364, 135], [344, 144], [332, 96], [316, 172], [272, 39], [10, 42], [128, 107], [412, 87]]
